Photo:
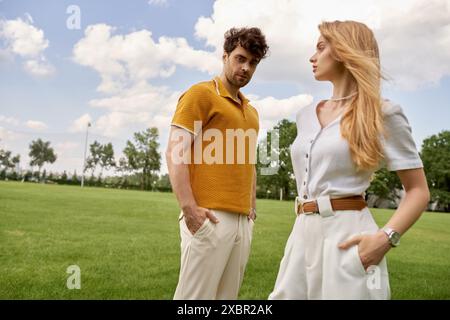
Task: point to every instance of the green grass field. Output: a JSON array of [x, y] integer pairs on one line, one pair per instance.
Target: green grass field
[[127, 246]]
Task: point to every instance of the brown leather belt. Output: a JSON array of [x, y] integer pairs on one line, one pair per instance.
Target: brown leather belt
[[347, 203]]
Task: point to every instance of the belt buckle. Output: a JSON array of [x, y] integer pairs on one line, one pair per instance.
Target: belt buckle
[[298, 201]]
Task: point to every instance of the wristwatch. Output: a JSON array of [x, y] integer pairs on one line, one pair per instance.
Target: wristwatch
[[394, 236]]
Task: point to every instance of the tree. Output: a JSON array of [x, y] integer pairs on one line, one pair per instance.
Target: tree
[[6, 161], [28, 175], [143, 155], [100, 155], [435, 155], [384, 185], [284, 178], [92, 181], [63, 178], [123, 168], [15, 160], [107, 157], [163, 183], [74, 179], [40, 153], [94, 158], [36, 176]]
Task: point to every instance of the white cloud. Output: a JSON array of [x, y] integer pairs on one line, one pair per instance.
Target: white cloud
[[9, 120], [126, 64], [177, 50], [112, 124], [126, 60], [36, 125], [140, 106], [66, 149], [272, 110], [143, 97], [39, 67], [32, 124], [7, 137], [416, 47], [80, 124], [66, 145], [409, 34], [22, 39]]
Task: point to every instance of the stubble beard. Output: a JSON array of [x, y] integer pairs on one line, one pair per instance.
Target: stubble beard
[[237, 83]]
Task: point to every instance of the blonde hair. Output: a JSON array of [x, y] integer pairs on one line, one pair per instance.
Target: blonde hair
[[354, 45]]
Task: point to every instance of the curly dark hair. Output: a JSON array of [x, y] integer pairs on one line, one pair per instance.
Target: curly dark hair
[[251, 39]]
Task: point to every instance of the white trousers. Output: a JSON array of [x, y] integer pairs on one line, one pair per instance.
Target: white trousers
[[313, 267], [213, 260]]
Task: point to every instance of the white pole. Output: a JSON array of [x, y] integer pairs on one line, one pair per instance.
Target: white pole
[[84, 158]]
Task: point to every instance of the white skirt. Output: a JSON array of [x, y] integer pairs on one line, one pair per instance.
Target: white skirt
[[313, 267]]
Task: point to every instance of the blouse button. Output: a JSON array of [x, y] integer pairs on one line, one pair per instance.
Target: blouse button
[[306, 155], [305, 197], [304, 183]]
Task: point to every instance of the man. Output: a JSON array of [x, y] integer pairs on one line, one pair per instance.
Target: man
[[216, 188]]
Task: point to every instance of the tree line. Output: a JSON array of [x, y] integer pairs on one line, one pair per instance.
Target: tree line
[[139, 167]]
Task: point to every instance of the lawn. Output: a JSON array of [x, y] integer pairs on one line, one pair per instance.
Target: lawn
[[126, 244]]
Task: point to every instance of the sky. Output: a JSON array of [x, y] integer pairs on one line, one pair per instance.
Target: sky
[[122, 65]]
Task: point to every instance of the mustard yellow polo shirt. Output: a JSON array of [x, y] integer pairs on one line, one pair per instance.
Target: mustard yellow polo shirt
[[221, 174]]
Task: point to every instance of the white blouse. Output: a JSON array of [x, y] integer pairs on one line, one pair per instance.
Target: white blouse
[[321, 157]]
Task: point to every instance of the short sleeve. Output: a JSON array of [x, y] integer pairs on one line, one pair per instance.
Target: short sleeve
[[193, 105], [399, 149]]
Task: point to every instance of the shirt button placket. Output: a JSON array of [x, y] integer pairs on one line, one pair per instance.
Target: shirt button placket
[[305, 193]]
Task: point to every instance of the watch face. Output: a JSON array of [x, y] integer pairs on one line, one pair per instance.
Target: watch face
[[395, 238]]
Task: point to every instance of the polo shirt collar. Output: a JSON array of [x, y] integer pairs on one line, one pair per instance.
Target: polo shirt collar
[[223, 92]]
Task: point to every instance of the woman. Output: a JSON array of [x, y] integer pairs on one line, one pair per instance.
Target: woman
[[336, 250]]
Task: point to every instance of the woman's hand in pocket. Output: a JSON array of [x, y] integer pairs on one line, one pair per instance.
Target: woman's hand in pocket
[[372, 248]]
